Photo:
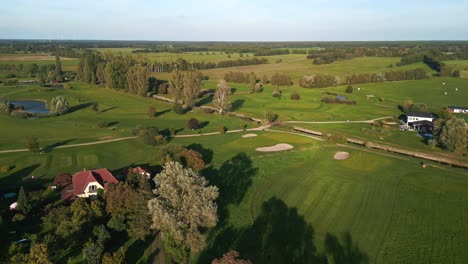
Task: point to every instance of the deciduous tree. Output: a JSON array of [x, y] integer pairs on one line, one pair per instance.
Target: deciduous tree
[[221, 98], [184, 205]]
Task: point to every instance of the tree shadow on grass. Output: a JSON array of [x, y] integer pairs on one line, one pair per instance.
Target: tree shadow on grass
[[203, 124], [278, 235], [58, 144], [80, 107], [162, 112], [344, 252], [108, 109], [12, 182], [205, 100], [113, 123], [236, 105], [233, 178], [281, 235]]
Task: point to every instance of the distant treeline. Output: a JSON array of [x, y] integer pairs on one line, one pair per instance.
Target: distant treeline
[[434, 59], [182, 64], [327, 56], [28, 70], [326, 80]]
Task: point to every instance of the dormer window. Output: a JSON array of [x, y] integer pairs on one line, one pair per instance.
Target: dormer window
[[92, 188]]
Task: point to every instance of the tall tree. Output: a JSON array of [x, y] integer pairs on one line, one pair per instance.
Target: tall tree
[[59, 104], [127, 205], [221, 98], [232, 257], [58, 69], [116, 73], [192, 82], [138, 79], [252, 81], [24, 205], [184, 205], [454, 135], [177, 85]]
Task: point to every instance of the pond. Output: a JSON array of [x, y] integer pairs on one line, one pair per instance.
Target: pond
[[31, 106], [341, 97]]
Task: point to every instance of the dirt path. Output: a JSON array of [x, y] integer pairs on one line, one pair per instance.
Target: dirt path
[[338, 122]]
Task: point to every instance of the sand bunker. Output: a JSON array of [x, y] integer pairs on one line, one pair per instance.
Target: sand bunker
[[340, 155], [249, 135], [277, 147]]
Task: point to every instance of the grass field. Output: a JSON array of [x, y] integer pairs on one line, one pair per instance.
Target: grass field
[[121, 110], [283, 204], [461, 65], [395, 211]]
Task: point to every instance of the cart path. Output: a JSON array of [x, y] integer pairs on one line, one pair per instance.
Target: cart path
[[338, 122]]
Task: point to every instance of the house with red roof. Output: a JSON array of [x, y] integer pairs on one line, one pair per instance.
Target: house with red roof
[[138, 170], [87, 183]]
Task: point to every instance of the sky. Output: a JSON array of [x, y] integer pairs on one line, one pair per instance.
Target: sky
[[235, 20]]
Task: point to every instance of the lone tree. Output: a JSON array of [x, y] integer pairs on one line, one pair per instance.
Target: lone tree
[[32, 143], [177, 85], [252, 81], [24, 205], [192, 82], [59, 104], [453, 134], [192, 123], [183, 207], [151, 111], [349, 89], [221, 98]]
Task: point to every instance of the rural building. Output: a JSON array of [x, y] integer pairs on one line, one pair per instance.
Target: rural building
[[458, 109], [138, 170], [420, 121], [87, 183]]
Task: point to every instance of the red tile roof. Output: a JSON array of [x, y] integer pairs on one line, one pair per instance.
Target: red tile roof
[[81, 179]]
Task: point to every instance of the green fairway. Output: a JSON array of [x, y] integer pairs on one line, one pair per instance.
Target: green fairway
[[121, 110]]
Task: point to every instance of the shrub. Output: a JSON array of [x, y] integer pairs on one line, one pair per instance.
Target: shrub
[[160, 140], [349, 89], [276, 92], [32, 143], [222, 129], [10, 75], [172, 132], [336, 139], [193, 159], [244, 126], [295, 96], [5, 168], [10, 82], [432, 143], [67, 86], [63, 179], [271, 117], [193, 123], [102, 124], [147, 134], [20, 114], [151, 111], [178, 109], [95, 107]]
